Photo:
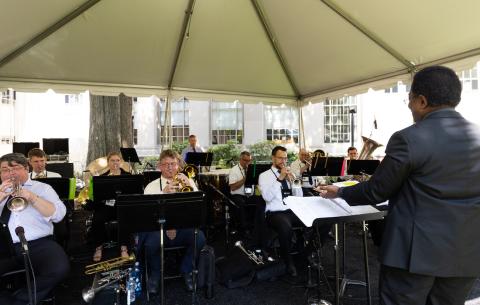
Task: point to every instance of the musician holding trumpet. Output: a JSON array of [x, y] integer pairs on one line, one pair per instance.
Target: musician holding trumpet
[[170, 181], [276, 184], [302, 164], [34, 208]]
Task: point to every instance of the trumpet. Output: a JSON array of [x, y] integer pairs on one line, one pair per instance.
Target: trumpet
[[109, 264], [293, 179], [88, 294], [183, 186], [17, 203], [258, 260]]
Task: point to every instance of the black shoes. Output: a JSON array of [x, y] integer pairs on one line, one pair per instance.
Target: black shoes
[[188, 281]]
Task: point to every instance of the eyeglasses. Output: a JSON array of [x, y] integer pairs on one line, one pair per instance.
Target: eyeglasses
[[15, 168], [170, 164]]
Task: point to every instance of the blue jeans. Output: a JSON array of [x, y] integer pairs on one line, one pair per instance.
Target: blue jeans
[[185, 237]]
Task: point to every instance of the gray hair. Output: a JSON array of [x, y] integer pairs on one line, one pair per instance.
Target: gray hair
[[14, 157]]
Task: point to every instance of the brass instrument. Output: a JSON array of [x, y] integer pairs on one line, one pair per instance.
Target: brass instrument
[[109, 264], [40, 176], [183, 187], [88, 294], [17, 203], [368, 148], [258, 260]]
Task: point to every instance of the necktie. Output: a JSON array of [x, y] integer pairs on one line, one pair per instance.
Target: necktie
[[194, 149], [5, 213], [284, 183]]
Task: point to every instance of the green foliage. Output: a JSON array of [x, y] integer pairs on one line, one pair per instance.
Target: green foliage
[[262, 151], [179, 146], [150, 160], [225, 152]]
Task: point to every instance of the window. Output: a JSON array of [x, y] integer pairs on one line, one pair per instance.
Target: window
[[338, 119], [393, 89], [71, 98], [226, 122], [281, 123], [7, 96], [469, 79], [180, 121]]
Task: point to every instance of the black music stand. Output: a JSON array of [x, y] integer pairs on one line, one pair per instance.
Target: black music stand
[[149, 176], [253, 172], [199, 159], [129, 154], [65, 169], [364, 217], [327, 166], [55, 146], [60, 185], [109, 187], [24, 147], [146, 213], [359, 167]]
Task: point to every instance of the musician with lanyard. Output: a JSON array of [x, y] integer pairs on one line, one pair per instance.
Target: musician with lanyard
[[37, 160], [275, 185], [171, 181], [236, 180], [49, 261]]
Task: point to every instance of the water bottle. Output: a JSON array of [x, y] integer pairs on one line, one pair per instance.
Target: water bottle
[[130, 287], [137, 276]]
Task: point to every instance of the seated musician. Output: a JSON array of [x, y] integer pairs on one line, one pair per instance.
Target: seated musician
[[170, 181], [275, 186], [352, 153], [302, 164], [104, 213], [236, 180], [192, 146], [49, 261], [38, 159]]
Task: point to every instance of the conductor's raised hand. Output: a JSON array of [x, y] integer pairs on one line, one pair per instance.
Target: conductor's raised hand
[[327, 191]]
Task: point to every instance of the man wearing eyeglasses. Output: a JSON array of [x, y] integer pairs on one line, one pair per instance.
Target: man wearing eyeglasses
[[49, 261], [170, 181], [275, 186]]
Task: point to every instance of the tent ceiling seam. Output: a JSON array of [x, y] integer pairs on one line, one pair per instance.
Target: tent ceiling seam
[[181, 38], [276, 49], [47, 32], [377, 40]]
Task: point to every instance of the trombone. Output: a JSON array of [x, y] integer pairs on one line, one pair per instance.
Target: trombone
[[258, 260], [109, 264]]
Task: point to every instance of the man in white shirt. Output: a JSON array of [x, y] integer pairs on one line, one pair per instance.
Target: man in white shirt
[[49, 261], [275, 186], [192, 147], [302, 164], [236, 180], [170, 181], [38, 161], [352, 153]]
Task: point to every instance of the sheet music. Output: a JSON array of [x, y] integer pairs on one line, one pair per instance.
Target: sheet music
[[308, 209]]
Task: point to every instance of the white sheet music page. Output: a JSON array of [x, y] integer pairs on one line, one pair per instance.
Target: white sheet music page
[[308, 209]]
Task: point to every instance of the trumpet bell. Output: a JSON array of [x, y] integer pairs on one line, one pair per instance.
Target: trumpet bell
[[17, 204]]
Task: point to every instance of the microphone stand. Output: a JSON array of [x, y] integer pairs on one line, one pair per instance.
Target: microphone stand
[[27, 274]]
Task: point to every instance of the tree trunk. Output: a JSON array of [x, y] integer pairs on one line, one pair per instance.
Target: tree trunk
[[110, 125]]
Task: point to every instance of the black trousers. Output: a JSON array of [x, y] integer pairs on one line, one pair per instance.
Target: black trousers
[[50, 265], [282, 222], [400, 287], [239, 212], [101, 215]]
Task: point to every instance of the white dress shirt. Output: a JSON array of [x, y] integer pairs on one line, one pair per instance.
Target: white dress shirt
[[236, 174], [190, 149], [35, 224], [272, 190], [154, 186], [296, 166], [46, 174]]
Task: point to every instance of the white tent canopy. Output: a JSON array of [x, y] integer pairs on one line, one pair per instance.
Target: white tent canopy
[[275, 50]]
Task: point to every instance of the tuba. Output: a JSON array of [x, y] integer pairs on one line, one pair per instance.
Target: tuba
[[368, 148], [17, 203]]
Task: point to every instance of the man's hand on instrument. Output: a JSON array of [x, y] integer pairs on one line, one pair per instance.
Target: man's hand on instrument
[[6, 189], [327, 191], [171, 234], [184, 179], [31, 197], [171, 187]]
